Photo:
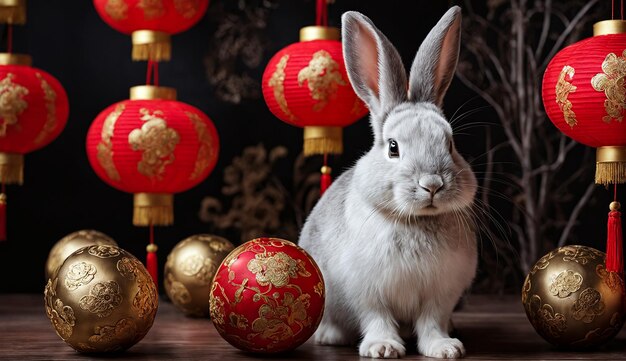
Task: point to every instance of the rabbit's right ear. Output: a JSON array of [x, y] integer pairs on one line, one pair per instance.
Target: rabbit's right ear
[[374, 66]]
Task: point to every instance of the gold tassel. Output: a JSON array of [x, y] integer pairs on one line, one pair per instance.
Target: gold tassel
[[13, 12], [153, 209], [151, 45], [610, 165], [322, 140], [11, 168]]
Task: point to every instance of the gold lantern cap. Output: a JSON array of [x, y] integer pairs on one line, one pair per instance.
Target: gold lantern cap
[[151, 45], [155, 209], [610, 165], [15, 59], [11, 168], [13, 12], [322, 140], [309, 33], [607, 27], [152, 92]]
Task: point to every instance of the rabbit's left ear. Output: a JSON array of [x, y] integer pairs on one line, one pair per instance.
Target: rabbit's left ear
[[435, 62]]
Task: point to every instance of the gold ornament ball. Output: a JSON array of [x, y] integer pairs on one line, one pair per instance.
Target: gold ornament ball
[[73, 242], [189, 271], [571, 300], [101, 299]]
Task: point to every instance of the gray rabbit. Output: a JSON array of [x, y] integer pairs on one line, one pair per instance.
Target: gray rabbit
[[393, 235]]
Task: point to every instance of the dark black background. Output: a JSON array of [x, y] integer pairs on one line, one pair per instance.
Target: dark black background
[[61, 193]]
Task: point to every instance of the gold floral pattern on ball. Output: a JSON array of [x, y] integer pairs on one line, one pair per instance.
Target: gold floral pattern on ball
[[103, 251], [216, 305], [80, 274], [145, 299], [588, 305], [103, 298], [62, 316], [546, 319], [276, 317], [276, 269], [566, 283], [124, 329], [613, 280], [177, 291], [199, 267], [581, 254]]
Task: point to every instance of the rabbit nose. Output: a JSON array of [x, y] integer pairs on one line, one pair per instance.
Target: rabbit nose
[[431, 183]]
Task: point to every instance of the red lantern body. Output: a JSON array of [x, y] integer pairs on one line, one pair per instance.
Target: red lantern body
[[33, 112], [267, 296], [306, 85], [152, 146], [151, 22], [585, 97]]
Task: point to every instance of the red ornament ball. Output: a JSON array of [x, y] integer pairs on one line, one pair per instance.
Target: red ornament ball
[[267, 296]]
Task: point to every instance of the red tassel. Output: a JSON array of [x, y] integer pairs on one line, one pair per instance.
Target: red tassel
[[3, 217], [152, 263], [614, 255], [325, 179]]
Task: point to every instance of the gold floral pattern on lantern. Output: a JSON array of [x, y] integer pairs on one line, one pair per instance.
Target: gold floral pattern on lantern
[[116, 9], [62, 316], [156, 141], [145, 300], [276, 317], [152, 9], [12, 102], [566, 283], [187, 8], [276, 269], [546, 320], [80, 274], [323, 78], [277, 83], [103, 298], [563, 90], [588, 305], [105, 147], [124, 329], [611, 82], [205, 151], [103, 251], [50, 97]]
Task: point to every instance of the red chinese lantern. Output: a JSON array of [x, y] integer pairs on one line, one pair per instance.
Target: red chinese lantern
[[267, 296], [585, 97], [152, 146], [33, 112], [151, 22], [306, 85]]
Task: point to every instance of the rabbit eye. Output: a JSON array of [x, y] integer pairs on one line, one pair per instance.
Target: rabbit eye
[[394, 151]]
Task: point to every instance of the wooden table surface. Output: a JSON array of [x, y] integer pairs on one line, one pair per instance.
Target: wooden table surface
[[492, 328]]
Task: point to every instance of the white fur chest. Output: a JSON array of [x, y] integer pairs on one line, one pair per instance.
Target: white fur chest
[[399, 268]]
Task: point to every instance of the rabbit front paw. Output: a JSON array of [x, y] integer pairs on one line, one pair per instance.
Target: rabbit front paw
[[381, 349], [442, 348]]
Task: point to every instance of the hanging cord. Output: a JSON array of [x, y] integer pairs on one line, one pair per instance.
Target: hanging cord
[[325, 178], [152, 73], [321, 13], [9, 38], [151, 258], [614, 248]]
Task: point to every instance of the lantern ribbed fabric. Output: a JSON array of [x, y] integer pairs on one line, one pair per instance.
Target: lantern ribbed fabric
[[33, 112], [152, 148], [306, 85], [151, 22], [585, 97]]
